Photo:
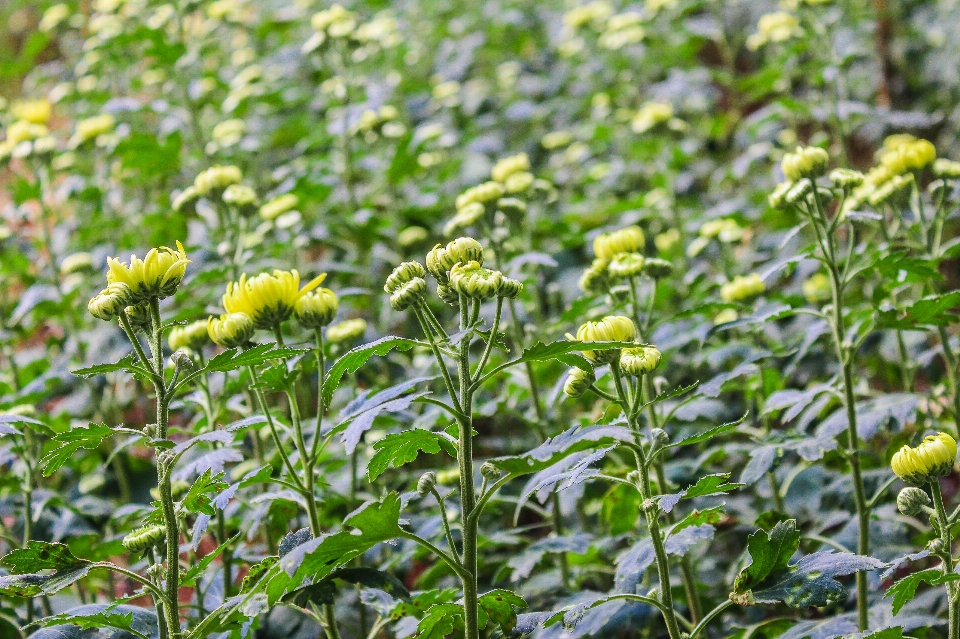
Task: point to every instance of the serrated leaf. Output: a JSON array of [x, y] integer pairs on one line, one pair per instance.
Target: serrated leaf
[[132, 619], [358, 416], [904, 589], [698, 517], [353, 359], [324, 590], [198, 498], [404, 447], [69, 442], [441, 620], [41, 556], [926, 312], [572, 441], [500, 608], [707, 485], [769, 553], [707, 434], [235, 358], [100, 369]]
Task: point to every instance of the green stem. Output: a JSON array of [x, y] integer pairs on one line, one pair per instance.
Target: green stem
[[710, 617], [467, 489], [946, 557]]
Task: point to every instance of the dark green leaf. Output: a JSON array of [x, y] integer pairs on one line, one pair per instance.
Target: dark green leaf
[[68, 443], [235, 358], [404, 447], [351, 361], [500, 607], [100, 369], [926, 312], [905, 589], [567, 443]]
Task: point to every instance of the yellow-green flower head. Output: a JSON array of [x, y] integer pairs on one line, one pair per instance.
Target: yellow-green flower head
[[231, 330], [186, 201], [806, 162], [24, 131], [317, 308], [947, 169], [242, 197], [193, 336], [626, 265], [482, 193], [412, 235], [628, 240], [909, 156], [933, 458], [35, 111], [612, 328], [347, 331], [726, 316], [778, 26], [76, 263], [846, 178], [268, 299], [519, 182], [817, 288], [229, 132], [656, 268], [578, 381], [401, 275], [596, 279], [667, 240], [214, 180], [110, 301], [778, 197], [596, 11], [509, 288], [912, 500], [92, 128], [53, 16], [157, 275], [650, 115], [474, 281], [336, 21], [408, 294], [742, 288], [467, 216], [639, 361], [278, 206], [508, 166], [443, 258]]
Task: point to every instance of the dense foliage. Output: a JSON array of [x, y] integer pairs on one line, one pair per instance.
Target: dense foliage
[[484, 319]]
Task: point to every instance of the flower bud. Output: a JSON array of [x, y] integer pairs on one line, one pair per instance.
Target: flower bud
[[231, 330], [659, 437], [912, 500], [726, 316], [628, 240], [578, 381], [511, 206], [612, 328], [817, 288], [139, 318], [933, 458], [639, 361], [778, 197], [935, 546], [347, 331], [742, 288], [490, 472], [947, 169], [656, 268], [483, 193], [182, 361], [596, 279], [519, 182], [465, 249], [466, 216], [426, 483], [92, 128], [402, 274], [278, 206], [633, 477], [508, 166], [193, 336], [110, 301], [509, 288], [626, 265], [242, 197], [186, 201], [409, 294], [474, 281], [806, 162], [144, 537], [897, 187], [798, 191], [846, 178], [316, 308], [448, 295]]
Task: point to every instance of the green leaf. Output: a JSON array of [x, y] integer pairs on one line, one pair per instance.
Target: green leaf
[[404, 447], [24, 563], [198, 568], [197, 499], [500, 607], [323, 591], [422, 601], [698, 517], [68, 443], [441, 620], [926, 312], [235, 358], [92, 371], [711, 485], [133, 619], [810, 582], [352, 360], [708, 434], [563, 445], [905, 589], [898, 267]]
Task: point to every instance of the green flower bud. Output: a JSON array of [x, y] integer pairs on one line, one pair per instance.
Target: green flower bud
[[231, 330], [483, 193], [474, 281], [408, 294], [897, 187], [509, 288], [912, 500], [193, 336], [626, 265], [144, 537], [806, 162], [519, 182], [596, 279], [213, 181], [186, 201], [817, 288], [110, 301], [182, 361], [448, 295], [508, 166], [778, 197], [846, 178], [278, 206], [490, 472], [347, 331], [465, 249], [242, 197], [427, 482], [742, 288], [76, 263], [798, 191], [139, 317], [512, 206], [405, 272], [578, 381], [947, 169], [656, 268], [316, 308], [612, 328], [659, 437], [639, 361], [628, 240]]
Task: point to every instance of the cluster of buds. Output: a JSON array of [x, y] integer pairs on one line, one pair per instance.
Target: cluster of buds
[[214, 181], [923, 464], [458, 269], [806, 162], [337, 24], [93, 129], [612, 328], [621, 30], [618, 256], [134, 284], [652, 114], [28, 135], [498, 199], [406, 285], [900, 161]]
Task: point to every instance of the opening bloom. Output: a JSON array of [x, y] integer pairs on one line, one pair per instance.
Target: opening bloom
[[933, 458], [640, 360], [268, 299], [231, 330], [317, 308], [612, 328], [157, 275]]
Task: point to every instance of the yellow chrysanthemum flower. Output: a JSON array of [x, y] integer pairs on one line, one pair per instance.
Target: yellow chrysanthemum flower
[[612, 328], [157, 275], [268, 299], [933, 458]]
